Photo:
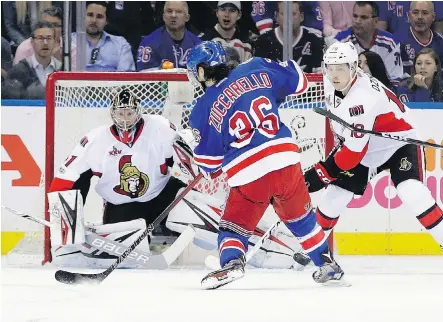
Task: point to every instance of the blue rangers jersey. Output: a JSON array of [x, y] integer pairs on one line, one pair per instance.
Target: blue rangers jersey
[[263, 13], [236, 122], [395, 13], [158, 47], [411, 46], [384, 44]]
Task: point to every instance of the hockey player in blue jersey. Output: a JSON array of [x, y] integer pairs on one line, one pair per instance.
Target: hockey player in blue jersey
[[237, 128]]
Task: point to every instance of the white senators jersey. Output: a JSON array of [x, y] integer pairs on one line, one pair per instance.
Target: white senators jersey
[[126, 173], [368, 105]]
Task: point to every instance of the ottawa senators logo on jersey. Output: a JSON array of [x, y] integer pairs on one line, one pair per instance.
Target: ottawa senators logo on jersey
[[356, 110], [405, 165], [133, 183]]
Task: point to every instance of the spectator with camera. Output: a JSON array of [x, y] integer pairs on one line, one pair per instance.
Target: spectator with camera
[[106, 52], [27, 79], [419, 34], [307, 46], [366, 37], [171, 42], [227, 32], [426, 82]]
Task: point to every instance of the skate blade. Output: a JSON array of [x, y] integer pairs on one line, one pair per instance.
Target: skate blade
[[214, 281], [297, 267], [337, 283]]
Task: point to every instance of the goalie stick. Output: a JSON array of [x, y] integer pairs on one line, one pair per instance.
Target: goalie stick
[[79, 278], [340, 121], [149, 261]]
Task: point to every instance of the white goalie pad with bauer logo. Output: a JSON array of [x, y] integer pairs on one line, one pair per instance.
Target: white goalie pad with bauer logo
[[204, 212], [75, 244]]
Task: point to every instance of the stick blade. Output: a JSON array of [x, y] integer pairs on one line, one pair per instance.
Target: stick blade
[[77, 278]]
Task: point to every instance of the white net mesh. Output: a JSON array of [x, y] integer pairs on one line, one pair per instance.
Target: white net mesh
[[155, 98], [81, 102]]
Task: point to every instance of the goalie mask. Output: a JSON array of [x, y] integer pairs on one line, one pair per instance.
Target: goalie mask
[[125, 110], [340, 65]]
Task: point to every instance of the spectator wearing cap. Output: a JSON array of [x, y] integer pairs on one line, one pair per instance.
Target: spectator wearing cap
[[52, 15], [227, 32], [105, 52], [27, 79], [171, 42]]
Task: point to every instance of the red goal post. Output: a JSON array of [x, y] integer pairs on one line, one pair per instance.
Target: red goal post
[[76, 102]]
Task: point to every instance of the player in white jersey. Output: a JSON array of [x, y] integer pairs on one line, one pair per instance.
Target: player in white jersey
[[132, 158], [362, 100]]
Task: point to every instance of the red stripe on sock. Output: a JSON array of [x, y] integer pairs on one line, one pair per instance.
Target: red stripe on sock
[[324, 221], [314, 241], [429, 219], [232, 243]]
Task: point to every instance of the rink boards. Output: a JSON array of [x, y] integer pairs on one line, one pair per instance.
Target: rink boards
[[376, 223]]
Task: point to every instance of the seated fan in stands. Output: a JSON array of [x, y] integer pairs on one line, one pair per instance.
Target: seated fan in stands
[[132, 159]]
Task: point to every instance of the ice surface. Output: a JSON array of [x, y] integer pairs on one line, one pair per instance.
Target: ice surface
[[391, 289]]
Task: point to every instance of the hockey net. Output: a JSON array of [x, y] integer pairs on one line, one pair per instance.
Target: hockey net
[[78, 102]]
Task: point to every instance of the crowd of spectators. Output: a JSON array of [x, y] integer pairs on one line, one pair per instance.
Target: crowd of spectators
[[399, 42]]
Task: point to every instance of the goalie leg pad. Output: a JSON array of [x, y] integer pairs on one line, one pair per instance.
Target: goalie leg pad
[[203, 212], [106, 242], [277, 251], [66, 215]]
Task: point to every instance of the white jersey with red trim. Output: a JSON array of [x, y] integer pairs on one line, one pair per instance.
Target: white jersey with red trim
[[368, 105], [127, 172]]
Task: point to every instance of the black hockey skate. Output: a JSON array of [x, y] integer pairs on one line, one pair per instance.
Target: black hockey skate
[[231, 271], [330, 273]]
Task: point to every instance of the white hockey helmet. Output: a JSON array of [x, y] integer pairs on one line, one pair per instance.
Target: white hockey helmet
[[342, 53]]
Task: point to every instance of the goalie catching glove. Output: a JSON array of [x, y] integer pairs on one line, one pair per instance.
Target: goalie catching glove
[[183, 156]]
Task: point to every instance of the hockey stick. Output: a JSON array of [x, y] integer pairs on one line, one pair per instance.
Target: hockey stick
[[78, 278], [25, 216], [214, 263], [335, 118], [149, 261]]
